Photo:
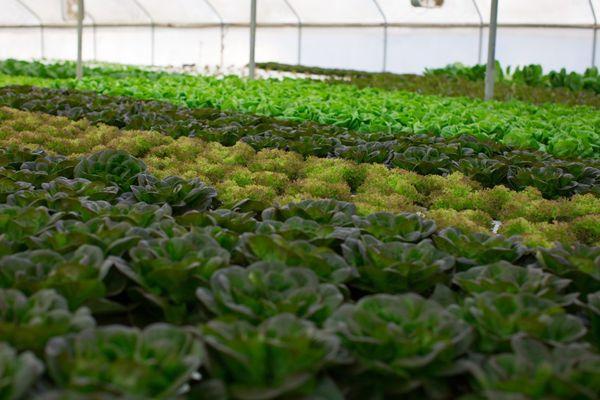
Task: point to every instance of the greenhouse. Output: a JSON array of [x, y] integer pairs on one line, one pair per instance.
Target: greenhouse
[[299, 199], [372, 35]]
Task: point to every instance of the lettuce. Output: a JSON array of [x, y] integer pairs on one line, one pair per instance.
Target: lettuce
[[472, 249], [499, 317], [264, 290], [114, 167], [401, 341], [579, 262], [156, 362], [536, 371], [503, 277], [180, 194], [27, 323], [18, 372], [397, 267], [81, 277], [402, 227], [329, 266], [282, 357]]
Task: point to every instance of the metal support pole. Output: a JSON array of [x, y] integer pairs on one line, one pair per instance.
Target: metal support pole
[[490, 73], [252, 63], [385, 34], [80, 13]]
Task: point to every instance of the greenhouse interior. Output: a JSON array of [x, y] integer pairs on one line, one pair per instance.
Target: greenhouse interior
[[299, 199]]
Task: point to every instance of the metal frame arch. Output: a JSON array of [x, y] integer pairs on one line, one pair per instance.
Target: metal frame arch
[[36, 16], [480, 52], [152, 29], [293, 10], [385, 33], [222, 23]]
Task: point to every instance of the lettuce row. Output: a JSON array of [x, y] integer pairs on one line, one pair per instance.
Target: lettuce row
[[307, 298], [566, 131], [532, 75], [269, 176], [458, 80], [486, 162]]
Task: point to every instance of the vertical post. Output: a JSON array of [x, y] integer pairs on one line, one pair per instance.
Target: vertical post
[[252, 63], [491, 62], [80, 12]]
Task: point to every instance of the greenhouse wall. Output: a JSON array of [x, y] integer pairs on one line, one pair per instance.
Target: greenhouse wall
[[372, 35]]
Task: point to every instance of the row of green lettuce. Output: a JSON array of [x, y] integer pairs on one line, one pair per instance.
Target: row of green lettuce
[[451, 81], [532, 75], [454, 80], [560, 130], [486, 162], [116, 283], [67, 69], [270, 175]]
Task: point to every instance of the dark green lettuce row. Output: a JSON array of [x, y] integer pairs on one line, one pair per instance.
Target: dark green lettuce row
[[128, 286], [67, 70], [487, 162], [531, 75], [526, 83]]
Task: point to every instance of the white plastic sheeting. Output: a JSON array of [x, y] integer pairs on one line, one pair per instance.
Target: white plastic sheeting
[[360, 34]]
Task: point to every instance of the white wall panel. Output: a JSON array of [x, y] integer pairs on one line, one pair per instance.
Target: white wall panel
[[411, 50], [356, 48]]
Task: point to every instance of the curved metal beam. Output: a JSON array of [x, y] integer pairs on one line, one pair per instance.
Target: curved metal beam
[[480, 31], [152, 28], [318, 25], [222, 23], [41, 22], [385, 33], [299, 30]]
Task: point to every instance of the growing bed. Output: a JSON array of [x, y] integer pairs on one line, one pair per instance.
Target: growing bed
[[178, 236]]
